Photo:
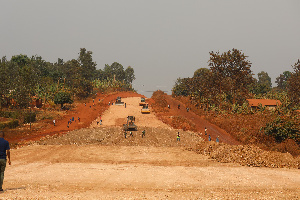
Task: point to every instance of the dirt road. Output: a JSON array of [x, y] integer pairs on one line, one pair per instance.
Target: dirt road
[[138, 172], [99, 163]]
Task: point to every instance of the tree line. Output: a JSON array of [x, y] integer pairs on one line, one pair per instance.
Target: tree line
[[229, 81], [23, 78]]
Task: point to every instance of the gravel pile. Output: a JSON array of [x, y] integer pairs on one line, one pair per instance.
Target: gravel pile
[[160, 137], [247, 155]]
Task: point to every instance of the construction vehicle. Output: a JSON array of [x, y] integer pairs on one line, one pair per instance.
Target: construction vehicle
[[130, 124], [143, 102], [145, 109], [119, 102]]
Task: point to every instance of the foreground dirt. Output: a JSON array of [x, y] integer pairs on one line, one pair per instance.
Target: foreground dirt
[[98, 162], [138, 172]]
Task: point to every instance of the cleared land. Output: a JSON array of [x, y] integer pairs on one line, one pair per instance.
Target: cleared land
[[99, 163]]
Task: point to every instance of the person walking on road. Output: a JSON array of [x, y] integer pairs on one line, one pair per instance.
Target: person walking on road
[[125, 134], [143, 133], [217, 140], [205, 129], [131, 134], [4, 157], [178, 137], [54, 122], [209, 138]]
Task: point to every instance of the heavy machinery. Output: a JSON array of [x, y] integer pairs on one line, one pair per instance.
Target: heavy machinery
[[145, 109], [119, 102], [130, 124], [143, 101]]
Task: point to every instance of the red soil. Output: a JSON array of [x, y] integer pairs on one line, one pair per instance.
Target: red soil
[[200, 123], [87, 114], [92, 110]]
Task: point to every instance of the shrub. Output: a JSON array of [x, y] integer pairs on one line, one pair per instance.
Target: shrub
[[283, 128], [11, 124], [29, 117]]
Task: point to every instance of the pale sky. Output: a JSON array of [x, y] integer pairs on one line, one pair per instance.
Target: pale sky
[[161, 39]]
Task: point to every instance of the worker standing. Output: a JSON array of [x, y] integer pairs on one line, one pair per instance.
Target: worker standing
[[178, 137], [143, 133], [4, 157]]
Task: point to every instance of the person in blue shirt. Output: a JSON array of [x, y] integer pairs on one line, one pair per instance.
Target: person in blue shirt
[[4, 154]]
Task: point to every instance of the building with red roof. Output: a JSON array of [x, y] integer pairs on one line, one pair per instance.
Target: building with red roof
[[271, 104]]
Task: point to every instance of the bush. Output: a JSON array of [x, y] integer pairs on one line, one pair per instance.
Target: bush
[[283, 128], [10, 114], [11, 124], [29, 117]]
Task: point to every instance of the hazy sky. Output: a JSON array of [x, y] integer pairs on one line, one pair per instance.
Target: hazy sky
[[161, 39]]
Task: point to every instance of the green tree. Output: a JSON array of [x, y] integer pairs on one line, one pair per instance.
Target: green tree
[[88, 67], [201, 72], [181, 87], [116, 70], [129, 75], [231, 74], [4, 81], [283, 128], [62, 98], [293, 85], [281, 80]]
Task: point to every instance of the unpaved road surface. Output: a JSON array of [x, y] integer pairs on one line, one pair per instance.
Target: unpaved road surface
[[99, 163]]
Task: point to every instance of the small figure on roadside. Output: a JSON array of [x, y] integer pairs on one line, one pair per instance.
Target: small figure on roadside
[[217, 140], [178, 106], [73, 119], [178, 137], [169, 106], [78, 119], [209, 138], [68, 125], [84, 104], [90, 106], [143, 133], [187, 109], [99, 100], [109, 103], [54, 122], [131, 134], [205, 129], [100, 121], [125, 134], [93, 100], [125, 105], [4, 154]]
